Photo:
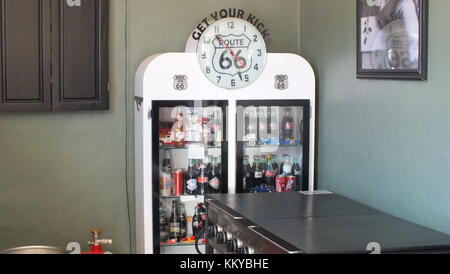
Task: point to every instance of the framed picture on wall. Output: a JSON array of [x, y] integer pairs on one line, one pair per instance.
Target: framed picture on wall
[[392, 39]]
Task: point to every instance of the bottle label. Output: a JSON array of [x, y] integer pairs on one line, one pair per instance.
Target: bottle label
[[191, 185], [289, 126], [258, 175], [202, 180], [270, 173], [215, 183], [297, 172], [174, 228]]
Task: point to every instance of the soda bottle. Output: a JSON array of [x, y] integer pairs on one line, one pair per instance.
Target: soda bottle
[[202, 211], [202, 180], [219, 165], [275, 126], [262, 125], [216, 128], [275, 164], [163, 226], [218, 135], [247, 174], [191, 179], [178, 130], [197, 221], [174, 224], [269, 177], [247, 123], [287, 126], [183, 220], [297, 172], [165, 179], [206, 132], [263, 163], [209, 163], [251, 126], [257, 172], [214, 177]]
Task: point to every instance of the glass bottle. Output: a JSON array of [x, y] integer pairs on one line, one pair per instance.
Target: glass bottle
[[196, 221], [269, 177], [165, 177], [247, 174], [257, 172], [183, 220], [202, 180], [274, 158], [191, 179], [214, 177], [163, 226], [174, 224], [297, 172], [287, 126]]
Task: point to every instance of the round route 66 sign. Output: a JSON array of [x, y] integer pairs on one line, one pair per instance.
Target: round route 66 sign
[[232, 53]]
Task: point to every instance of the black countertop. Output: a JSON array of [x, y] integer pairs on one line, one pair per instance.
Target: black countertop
[[331, 223]]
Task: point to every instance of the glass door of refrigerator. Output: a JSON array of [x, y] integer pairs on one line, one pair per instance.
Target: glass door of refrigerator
[[189, 161], [273, 146]]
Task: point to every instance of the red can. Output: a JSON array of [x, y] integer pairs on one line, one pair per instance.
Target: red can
[[280, 183], [178, 182], [291, 181]]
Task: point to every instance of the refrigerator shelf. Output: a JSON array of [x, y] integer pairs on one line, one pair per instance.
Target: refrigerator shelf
[[186, 198], [273, 146], [180, 244], [185, 148]]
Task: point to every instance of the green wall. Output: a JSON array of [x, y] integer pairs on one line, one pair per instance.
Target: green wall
[[384, 143], [62, 174]]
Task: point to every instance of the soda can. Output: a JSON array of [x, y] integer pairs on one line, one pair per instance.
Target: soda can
[[178, 182], [165, 184], [280, 183], [291, 181]]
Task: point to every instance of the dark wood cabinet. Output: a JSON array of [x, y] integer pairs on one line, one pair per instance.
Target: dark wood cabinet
[[80, 55], [54, 55], [25, 55]]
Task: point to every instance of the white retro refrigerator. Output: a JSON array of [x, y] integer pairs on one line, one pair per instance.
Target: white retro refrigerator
[[193, 138]]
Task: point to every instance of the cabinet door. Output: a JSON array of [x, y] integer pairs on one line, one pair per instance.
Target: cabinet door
[[273, 146], [80, 43], [189, 147], [25, 55]]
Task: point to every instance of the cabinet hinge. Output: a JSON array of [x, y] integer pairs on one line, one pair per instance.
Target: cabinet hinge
[[139, 101], [108, 87]]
